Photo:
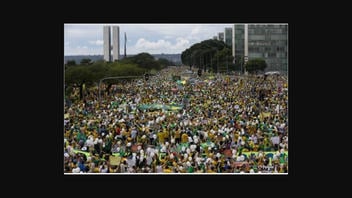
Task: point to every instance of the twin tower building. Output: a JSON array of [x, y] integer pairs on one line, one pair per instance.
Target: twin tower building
[[115, 46]]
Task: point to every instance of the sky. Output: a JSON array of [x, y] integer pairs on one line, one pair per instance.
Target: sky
[[87, 39]]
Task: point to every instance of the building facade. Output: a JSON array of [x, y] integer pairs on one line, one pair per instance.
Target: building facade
[[221, 36], [267, 41], [228, 37], [115, 43], [238, 42], [115, 46], [107, 43]]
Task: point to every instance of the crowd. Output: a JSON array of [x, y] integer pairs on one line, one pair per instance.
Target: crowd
[[223, 124]]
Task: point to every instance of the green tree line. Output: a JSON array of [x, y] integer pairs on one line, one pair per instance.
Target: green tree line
[[89, 73], [209, 55], [216, 56]]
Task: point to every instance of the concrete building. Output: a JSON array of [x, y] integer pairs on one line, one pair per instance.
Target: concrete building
[[221, 36], [107, 43], [228, 37], [115, 43], [267, 41], [238, 42]]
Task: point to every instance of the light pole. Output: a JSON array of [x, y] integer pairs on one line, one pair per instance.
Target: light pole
[[227, 65], [241, 59], [245, 61], [217, 66]]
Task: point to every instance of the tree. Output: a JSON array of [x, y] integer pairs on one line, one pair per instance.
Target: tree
[[164, 62], [98, 70], [86, 61], [224, 60], [255, 65], [78, 76], [123, 68], [71, 62], [145, 61], [202, 55]]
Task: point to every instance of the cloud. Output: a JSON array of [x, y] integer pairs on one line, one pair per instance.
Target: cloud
[[151, 38], [195, 30], [83, 50], [97, 42], [182, 43], [161, 46], [144, 44], [83, 32]]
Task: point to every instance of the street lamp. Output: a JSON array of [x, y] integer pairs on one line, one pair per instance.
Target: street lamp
[[217, 66], [227, 65], [245, 61]]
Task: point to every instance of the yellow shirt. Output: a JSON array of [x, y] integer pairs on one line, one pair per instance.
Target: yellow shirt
[[211, 136], [177, 134], [161, 137], [184, 138], [166, 134]]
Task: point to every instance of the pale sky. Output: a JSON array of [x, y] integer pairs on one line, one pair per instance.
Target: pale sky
[[87, 39]]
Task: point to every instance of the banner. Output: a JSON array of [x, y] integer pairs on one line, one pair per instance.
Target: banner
[[114, 160], [264, 115], [270, 154], [172, 107]]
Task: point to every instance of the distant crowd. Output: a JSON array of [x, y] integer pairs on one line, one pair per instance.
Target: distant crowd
[[213, 124]]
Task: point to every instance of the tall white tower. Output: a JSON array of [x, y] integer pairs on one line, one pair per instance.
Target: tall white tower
[[115, 43], [233, 41], [107, 45]]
